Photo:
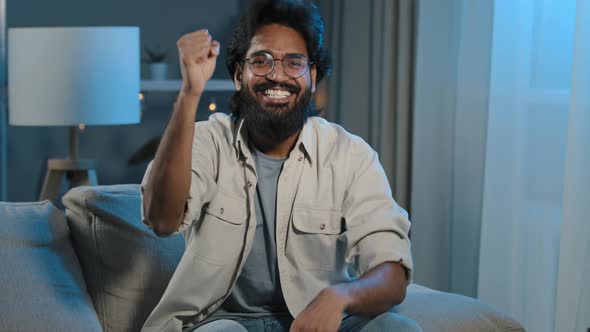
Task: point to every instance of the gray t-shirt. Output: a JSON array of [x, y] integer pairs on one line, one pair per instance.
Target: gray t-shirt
[[257, 291]]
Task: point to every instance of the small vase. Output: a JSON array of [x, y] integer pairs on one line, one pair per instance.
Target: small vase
[[159, 71]]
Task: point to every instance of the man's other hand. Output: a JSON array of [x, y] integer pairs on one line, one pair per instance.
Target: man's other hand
[[324, 313]]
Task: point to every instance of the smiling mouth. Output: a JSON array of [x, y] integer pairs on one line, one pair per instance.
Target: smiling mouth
[[277, 94]]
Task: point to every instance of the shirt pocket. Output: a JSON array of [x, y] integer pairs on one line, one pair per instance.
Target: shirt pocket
[[219, 237], [315, 241]]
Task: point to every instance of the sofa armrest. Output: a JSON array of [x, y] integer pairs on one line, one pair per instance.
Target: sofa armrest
[[440, 311]]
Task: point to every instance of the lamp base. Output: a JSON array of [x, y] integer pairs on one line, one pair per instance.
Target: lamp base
[[78, 172]]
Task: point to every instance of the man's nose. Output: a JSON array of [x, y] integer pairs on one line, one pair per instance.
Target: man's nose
[[278, 72]]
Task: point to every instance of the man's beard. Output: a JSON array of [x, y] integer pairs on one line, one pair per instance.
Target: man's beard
[[268, 127]]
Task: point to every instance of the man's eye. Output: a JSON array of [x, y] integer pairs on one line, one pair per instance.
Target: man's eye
[[296, 64], [260, 62]]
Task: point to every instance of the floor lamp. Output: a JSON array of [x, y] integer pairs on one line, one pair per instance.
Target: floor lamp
[[69, 77]]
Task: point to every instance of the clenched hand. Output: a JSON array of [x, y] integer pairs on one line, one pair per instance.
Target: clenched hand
[[198, 55]]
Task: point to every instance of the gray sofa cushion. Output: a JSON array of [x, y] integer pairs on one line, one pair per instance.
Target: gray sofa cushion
[[41, 282], [445, 312], [126, 266]]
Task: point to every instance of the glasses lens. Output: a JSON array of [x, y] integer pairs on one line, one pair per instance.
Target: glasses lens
[[295, 65], [261, 64]]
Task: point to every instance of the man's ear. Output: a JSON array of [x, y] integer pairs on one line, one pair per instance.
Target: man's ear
[[238, 77], [313, 72]]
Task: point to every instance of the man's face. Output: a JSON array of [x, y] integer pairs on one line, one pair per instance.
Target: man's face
[[276, 92], [275, 106]]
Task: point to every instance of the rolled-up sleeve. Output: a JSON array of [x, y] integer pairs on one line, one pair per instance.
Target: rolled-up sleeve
[[203, 185], [376, 227]]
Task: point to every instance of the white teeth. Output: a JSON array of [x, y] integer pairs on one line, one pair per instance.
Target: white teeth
[[276, 94]]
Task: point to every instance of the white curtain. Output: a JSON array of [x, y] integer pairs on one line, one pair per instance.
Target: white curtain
[[573, 282], [534, 255]]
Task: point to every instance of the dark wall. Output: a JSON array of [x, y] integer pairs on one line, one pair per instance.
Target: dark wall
[[161, 23]]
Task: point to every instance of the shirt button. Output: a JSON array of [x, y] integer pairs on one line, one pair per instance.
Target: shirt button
[[249, 184], [322, 226], [221, 211], [300, 158]]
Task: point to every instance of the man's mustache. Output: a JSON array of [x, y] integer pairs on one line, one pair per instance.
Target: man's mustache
[[260, 87]]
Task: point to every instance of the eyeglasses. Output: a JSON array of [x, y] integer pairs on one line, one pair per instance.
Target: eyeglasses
[[294, 65]]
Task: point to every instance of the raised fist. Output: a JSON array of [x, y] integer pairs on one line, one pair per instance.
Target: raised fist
[[198, 55]]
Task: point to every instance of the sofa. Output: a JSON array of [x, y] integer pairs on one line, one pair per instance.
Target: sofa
[[97, 267]]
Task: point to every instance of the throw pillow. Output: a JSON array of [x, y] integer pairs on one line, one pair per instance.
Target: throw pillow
[[41, 282], [126, 266]]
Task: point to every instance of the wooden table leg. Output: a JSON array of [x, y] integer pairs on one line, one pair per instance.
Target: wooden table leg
[[52, 184], [75, 172]]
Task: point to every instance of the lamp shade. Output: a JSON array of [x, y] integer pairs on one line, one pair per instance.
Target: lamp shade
[[65, 76]]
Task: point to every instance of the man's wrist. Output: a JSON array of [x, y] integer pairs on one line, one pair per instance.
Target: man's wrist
[[185, 97], [341, 295]]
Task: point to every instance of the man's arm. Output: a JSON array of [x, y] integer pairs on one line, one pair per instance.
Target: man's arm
[[372, 294], [376, 234], [168, 185]]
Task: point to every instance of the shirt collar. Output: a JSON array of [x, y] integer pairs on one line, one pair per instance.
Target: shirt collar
[[240, 139], [305, 141]]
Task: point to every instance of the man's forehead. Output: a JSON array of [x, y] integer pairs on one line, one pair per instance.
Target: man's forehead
[[277, 39]]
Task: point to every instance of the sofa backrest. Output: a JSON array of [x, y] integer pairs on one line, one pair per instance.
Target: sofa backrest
[[126, 266]]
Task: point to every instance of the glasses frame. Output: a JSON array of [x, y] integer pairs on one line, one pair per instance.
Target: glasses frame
[[273, 63]]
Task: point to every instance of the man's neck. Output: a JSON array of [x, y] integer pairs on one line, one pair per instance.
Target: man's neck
[[278, 150]]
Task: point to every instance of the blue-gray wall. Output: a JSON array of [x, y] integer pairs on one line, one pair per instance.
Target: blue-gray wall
[[161, 23]]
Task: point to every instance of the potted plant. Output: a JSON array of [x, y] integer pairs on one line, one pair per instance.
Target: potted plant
[[155, 58]]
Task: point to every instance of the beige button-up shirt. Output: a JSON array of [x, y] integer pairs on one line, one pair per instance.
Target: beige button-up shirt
[[335, 219]]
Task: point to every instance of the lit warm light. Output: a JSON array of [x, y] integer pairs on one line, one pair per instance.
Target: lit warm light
[[212, 106], [82, 126], [140, 96]]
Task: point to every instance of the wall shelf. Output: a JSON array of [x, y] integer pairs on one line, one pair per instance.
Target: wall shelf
[[174, 85]]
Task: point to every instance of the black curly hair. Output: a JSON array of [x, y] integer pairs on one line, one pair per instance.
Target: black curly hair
[[301, 15]]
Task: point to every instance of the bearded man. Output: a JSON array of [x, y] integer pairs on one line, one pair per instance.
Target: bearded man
[[289, 220]]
